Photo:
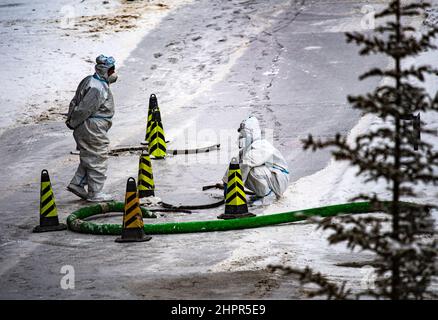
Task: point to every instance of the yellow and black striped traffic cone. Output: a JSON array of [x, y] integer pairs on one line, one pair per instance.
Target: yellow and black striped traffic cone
[[132, 230], [48, 212], [145, 179], [235, 198], [153, 103], [157, 142]]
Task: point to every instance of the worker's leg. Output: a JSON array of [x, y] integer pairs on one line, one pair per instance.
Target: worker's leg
[[95, 154], [258, 181], [80, 177], [79, 180], [96, 172], [91, 137], [279, 182]]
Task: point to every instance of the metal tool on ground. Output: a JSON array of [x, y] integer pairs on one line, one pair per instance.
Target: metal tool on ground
[[189, 199], [213, 147], [169, 210], [235, 198], [132, 230], [192, 207], [48, 211], [221, 187], [213, 186], [145, 179], [157, 143]]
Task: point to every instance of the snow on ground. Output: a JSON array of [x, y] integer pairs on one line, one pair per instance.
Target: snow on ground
[[30, 96], [336, 183], [44, 45]]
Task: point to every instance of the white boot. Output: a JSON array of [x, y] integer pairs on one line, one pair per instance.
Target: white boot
[[264, 201], [77, 190]]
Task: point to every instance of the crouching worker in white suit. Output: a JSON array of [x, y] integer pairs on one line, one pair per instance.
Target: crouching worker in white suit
[[264, 169]]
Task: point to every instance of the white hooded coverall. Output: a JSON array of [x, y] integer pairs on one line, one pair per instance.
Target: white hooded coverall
[[264, 169], [90, 115]]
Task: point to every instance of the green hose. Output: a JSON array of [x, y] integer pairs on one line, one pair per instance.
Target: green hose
[[75, 222]]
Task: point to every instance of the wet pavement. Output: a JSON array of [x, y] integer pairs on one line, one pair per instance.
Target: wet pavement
[[211, 64]]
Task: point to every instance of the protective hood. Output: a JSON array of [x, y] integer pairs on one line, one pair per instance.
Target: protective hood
[[103, 64], [249, 132]]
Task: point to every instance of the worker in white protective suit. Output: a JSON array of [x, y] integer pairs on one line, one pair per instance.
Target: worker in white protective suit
[[90, 116], [264, 169]]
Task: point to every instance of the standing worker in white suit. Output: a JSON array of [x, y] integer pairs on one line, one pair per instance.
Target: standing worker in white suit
[[264, 169], [90, 116]]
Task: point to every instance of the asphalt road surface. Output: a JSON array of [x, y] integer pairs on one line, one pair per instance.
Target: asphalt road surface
[[211, 63]]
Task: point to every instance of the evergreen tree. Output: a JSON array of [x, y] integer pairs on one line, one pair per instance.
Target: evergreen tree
[[402, 241]]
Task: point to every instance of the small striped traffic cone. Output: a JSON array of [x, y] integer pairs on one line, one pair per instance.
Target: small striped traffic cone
[[235, 199], [48, 212], [157, 142], [132, 218], [145, 179], [153, 104]]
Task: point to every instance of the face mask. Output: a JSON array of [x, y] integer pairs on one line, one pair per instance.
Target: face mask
[[113, 78], [244, 140]]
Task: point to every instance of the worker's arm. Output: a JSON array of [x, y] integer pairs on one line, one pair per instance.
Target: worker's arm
[[257, 157], [89, 104], [258, 154]]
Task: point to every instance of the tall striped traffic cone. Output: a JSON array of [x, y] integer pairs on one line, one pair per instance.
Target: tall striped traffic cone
[[157, 142], [48, 212], [145, 179], [132, 218], [153, 103], [235, 199]]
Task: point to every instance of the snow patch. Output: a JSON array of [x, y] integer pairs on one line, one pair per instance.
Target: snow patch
[[312, 48], [41, 56]]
